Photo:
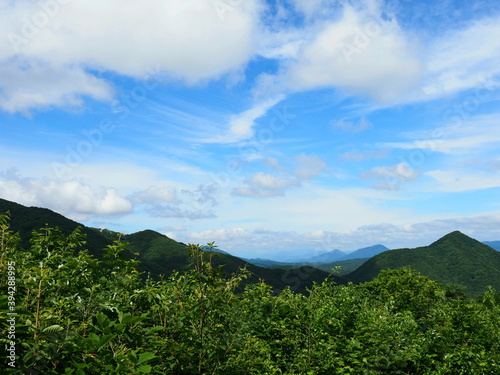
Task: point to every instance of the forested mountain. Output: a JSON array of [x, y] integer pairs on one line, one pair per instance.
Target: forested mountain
[[455, 258], [27, 219], [158, 254]]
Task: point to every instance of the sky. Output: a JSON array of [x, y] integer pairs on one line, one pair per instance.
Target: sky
[[276, 129]]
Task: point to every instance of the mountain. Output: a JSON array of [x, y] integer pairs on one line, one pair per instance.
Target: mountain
[[366, 252], [346, 266], [327, 261], [27, 219], [325, 257], [158, 254], [493, 244], [455, 258], [267, 263]]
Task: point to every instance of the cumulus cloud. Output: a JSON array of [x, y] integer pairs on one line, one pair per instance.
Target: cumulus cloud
[[155, 194], [308, 166], [72, 198], [389, 178], [353, 127], [24, 85], [362, 53], [189, 40], [169, 202], [264, 185]]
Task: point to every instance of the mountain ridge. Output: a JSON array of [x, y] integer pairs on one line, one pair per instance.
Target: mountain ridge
[[157, 253], [454, 258]]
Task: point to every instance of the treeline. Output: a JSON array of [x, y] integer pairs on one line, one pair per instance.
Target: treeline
[[63, 311]]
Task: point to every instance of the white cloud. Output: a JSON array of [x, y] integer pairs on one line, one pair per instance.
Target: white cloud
[[71, 198], [467, 134], [463, 59], [168, 202], [32, 85], [459, 180], [308, 166], [191, 40], [155, 194], [390, 177], [286, 245], [363, 53], [241, 125], [264, 185], [220, 235], [311, 8], [353, 127]]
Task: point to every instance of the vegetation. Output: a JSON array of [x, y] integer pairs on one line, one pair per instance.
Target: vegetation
[[78, 314]]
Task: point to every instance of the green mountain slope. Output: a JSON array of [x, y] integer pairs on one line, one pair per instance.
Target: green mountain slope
[[158, 254], [161, 255], [346, 266], [27, 219], [455, 258]]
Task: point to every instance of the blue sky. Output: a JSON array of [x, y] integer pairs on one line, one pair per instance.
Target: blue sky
[[275, 129]]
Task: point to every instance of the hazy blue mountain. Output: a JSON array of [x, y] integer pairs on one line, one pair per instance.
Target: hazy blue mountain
[[328, 257], [493, 244], [365, 252], [267, 263]]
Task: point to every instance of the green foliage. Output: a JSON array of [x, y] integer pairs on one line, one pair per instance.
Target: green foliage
[[77, 314]]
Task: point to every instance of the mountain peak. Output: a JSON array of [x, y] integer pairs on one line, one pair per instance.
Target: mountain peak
[[454, 237]]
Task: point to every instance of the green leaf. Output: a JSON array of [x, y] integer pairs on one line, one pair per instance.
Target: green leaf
[[145, 369], [104, 340], [145, 357], [103, 320], [53, 328]]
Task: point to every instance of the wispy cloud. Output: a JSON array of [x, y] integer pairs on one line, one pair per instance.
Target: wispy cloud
[[459, 180], [241, 126], [457, 61]]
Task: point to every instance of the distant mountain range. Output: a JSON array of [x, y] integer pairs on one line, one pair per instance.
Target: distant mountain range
[[325, 258], [455, 258], [493, 244], [366, 252]]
